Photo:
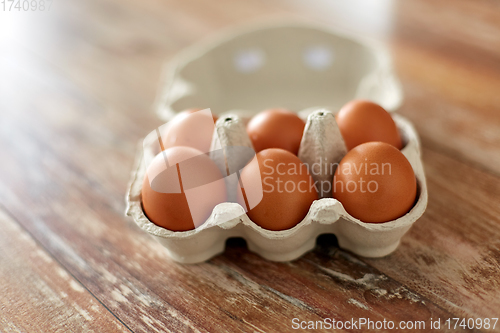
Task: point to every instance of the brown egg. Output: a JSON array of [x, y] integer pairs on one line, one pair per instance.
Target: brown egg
[[276, 128], [375, 183], [191, 128], [185, 203], [363, 121], [278, 189]]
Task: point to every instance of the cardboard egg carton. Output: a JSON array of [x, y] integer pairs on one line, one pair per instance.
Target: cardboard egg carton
[[321, 142], [250, 69]]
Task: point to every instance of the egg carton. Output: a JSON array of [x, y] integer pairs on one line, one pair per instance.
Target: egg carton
[[221, 75]]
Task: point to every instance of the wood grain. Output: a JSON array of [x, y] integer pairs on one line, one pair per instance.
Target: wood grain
[[37, 294], [77, 87], [452, 255], [451, 74], [133, 273]]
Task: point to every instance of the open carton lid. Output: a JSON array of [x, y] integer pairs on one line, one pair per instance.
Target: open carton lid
[[299, 66], [290, 64]]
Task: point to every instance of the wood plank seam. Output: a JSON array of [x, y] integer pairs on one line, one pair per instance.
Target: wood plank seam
[[425, 299], [13, 218], [442, 150]]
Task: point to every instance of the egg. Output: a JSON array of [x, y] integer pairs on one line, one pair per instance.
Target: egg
[[276, 128], [191, 128], [363, 121], [277, 189], [375, 183], [181, 187]]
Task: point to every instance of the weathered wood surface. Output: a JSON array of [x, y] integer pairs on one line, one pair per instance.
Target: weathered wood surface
[[38, 294], [76, 89]]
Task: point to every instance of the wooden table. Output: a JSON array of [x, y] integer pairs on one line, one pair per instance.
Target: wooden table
[[76, 88]]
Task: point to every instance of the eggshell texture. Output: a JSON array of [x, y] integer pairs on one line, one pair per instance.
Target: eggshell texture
[[276, 128], [283, 184], [191, 128], [181, 204], [375, 183], [363, 121]]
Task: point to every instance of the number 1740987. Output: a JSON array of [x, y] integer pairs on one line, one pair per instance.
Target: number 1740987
[[25, 5], [470, 323]]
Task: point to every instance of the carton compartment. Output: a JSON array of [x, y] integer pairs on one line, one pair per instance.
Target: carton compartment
[[295, 65], [325, 215]]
